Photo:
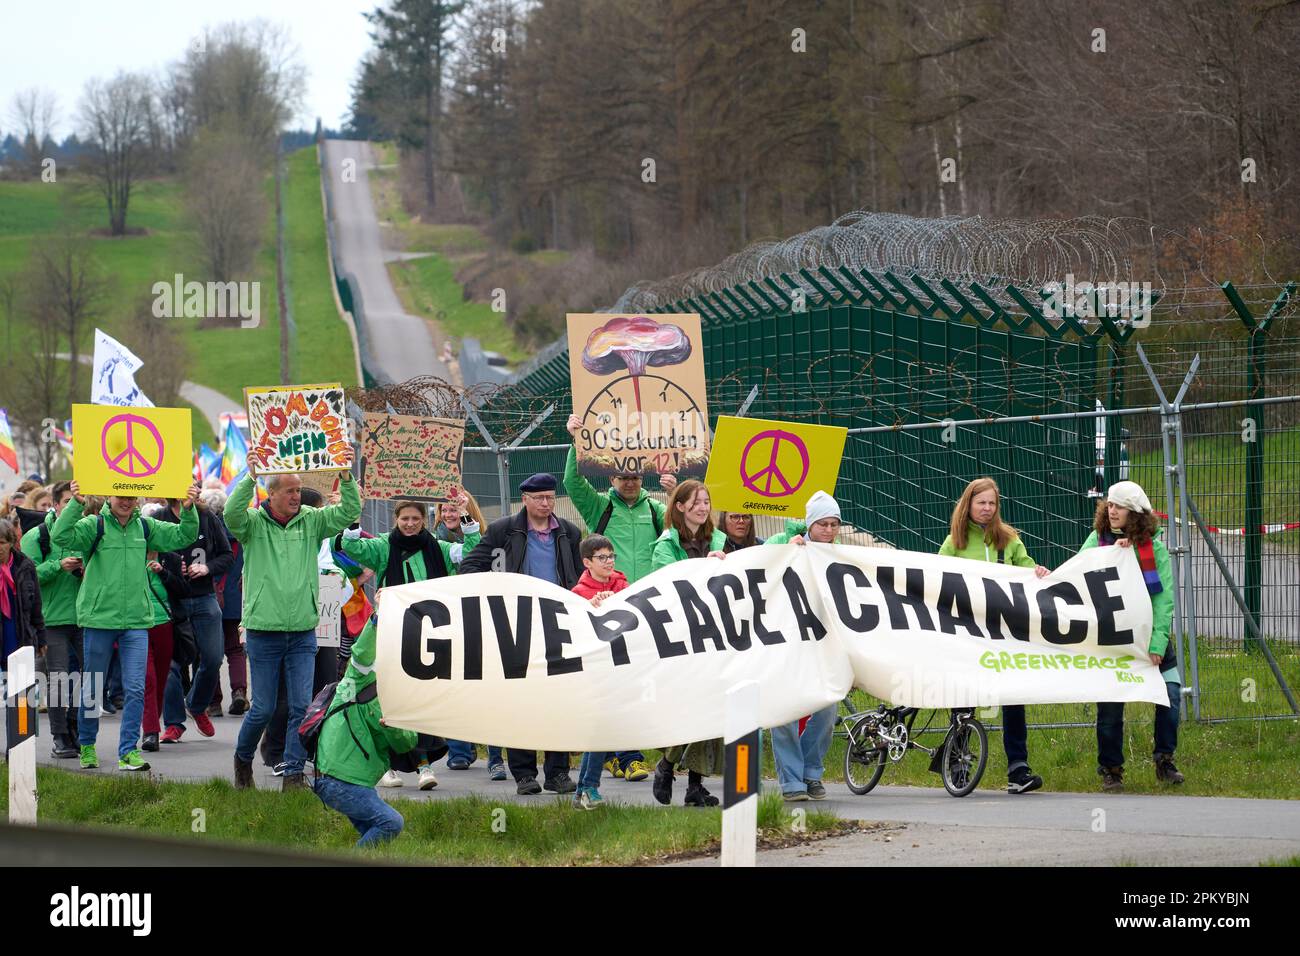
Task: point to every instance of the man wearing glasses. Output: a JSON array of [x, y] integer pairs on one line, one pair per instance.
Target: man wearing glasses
[[537, 543]]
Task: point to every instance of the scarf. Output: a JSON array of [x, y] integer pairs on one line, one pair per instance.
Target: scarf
[[7, 587], [401, 547], [1146, 560]]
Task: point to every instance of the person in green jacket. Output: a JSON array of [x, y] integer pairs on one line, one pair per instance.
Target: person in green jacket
[[404, 555], [1124, 518], [281, 541], [356, 747], [977, 532], [690, 535], [58, 574], [624, 513], [113, 605]]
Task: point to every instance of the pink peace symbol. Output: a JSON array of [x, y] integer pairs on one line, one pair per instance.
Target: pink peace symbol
[[134, 460], [772, 473]]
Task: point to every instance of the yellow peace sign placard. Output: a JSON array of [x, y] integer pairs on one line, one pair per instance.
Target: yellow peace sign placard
[[772, 468], [129, 451]]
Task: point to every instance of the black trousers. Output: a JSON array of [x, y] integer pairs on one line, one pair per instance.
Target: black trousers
[[523, 763], [62, 658]]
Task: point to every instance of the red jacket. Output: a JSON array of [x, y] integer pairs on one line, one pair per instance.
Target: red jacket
[[588, 587]]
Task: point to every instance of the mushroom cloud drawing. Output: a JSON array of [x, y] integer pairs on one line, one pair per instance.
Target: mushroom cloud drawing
[[635, 344]]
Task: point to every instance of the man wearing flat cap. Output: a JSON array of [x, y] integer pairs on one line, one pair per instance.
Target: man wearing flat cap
[[537, 543]]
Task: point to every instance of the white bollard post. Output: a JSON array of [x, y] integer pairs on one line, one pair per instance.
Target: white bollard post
[[20, 735], [741, 776]]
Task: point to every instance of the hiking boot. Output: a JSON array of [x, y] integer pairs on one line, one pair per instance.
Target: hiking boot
[[496, 771], [238, 702], [88, 759], [697, 796], [214, 710], [1112, 779], [613, 769], [63, 747], [204, 723], [172, 735], [636, 770], [560, 783], [132, 761], [293, 781], [794, 796], [150, 743], [528, 786], [243, 774], [588, 798], [1166, 772], [1023, 780], [815, 789], [662, 787]]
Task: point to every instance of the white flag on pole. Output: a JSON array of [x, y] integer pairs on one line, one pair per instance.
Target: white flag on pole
[[114, 379]]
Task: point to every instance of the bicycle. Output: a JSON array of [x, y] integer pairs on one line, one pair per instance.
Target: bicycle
[[885, 734]]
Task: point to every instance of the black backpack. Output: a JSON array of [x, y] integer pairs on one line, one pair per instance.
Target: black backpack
[[44, 535], [603, 523], [319, 711]]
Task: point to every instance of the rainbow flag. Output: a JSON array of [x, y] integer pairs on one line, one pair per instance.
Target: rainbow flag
[[209, 462], [357, 610], [234, 455], [65, 442], [8, 453]]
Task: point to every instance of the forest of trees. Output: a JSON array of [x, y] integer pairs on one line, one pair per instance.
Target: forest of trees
[[669, 133]]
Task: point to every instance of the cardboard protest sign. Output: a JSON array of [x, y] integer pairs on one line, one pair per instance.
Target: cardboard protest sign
[[772, 468], [520, 661], [295, 428], [132, 451], [638, 386], [408, 456], [335, 589]]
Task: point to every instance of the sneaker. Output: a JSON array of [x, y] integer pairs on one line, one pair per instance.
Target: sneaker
[[815, 789], [427, 780], [1023, 780], [1112, 779], [662, 788], [238, 703], [204, 723], [132, 761], [796, 796], [458, 763], [107, 708], [496, 771], [560, 783], [243, 775], [528, 786], [172, 735], [588, 798], [613, 769], [150, 743], [279, 769], [88, 759], [637, 770], [214, 710], [63, 747], [699, 797], [390, 779], [1166, 772]]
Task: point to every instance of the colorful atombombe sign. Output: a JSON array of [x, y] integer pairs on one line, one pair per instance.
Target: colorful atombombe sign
[[638, 387]]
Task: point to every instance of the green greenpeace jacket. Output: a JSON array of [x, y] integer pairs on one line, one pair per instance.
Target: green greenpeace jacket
[[977, 549], [631, 528], [1162, 604], [281, 578], [668, 548], [58, 587], [793, 528], [114, 593], [353, 746], [372, 553]]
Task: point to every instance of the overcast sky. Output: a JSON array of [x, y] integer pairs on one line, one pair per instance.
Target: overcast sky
[[60, 45]]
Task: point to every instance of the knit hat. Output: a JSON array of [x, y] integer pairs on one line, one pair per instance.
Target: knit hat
[[821, 505], [1129, 494]]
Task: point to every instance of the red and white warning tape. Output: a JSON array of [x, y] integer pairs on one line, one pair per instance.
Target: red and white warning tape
[[1264, 529]]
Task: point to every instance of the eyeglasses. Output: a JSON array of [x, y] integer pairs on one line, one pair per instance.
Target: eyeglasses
[[541, 499], [628, 477], [740, 517], [606, 557]]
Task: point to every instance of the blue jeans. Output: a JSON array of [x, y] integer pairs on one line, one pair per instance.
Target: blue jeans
[[270, 654], [589, 771], [799, 758], [463, 748], [133, 649], [205, 619], [1110, 728], [374, 819]]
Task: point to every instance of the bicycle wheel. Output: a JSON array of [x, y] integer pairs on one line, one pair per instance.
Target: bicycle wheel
[[863, 763], [965, 752]]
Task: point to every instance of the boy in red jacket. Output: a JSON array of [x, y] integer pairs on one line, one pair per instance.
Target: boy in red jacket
[[597, 583]]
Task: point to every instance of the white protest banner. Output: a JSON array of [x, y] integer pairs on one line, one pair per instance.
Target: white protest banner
[[114, 380], [523, 663], [335, 589]]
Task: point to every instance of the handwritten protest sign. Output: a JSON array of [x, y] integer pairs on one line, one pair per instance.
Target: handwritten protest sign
[[772, 468], [335, 590], [132, 451], [407, 456], [638, 386], [296, 428]]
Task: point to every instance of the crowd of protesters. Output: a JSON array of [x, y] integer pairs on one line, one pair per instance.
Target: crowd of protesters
[[146, 599]]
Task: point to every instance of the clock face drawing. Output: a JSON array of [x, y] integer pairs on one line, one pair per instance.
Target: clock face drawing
[[617, 436]]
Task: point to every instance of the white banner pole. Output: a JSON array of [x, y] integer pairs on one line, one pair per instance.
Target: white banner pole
[[20, 741], [741, 776]]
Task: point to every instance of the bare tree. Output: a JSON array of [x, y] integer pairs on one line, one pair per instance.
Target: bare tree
[[33, 113], [223, 192], [68, 293], [115, 116]]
